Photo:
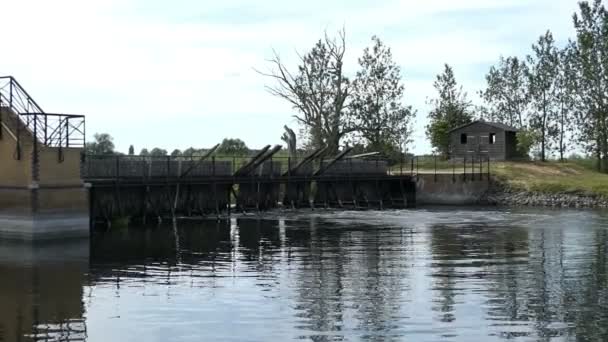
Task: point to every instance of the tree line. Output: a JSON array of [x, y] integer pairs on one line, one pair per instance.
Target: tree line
[[556, 96], [103, 144]]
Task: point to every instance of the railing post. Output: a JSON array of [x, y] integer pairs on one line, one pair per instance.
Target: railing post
[[168, 167], [435, 176], [143, 167], [480, 168], [10, 96], [454, 170], [464, 165], [213, 166], [117, 168], [412, 166], [45, 131], [67, 132], [35, 168], [271, 167], [488, 168]]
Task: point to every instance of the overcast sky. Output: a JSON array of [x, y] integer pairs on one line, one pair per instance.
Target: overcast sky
[[175, 74]]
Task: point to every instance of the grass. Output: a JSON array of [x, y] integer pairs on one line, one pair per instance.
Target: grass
[[576, 176], [551, 177]]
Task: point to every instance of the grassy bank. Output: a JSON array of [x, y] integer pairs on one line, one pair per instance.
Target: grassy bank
[[551, 177]]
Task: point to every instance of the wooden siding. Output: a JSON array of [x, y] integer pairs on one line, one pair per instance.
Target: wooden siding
[[478, 142]]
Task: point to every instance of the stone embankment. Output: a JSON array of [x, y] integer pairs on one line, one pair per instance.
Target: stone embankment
[[503, 195]]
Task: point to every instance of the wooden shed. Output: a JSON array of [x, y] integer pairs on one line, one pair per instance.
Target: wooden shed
[[484, 139]]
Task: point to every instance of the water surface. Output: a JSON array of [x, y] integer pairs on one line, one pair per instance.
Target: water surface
[[415, 275]]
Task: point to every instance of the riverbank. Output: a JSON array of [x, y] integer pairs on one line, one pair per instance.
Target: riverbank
[[549, 184]]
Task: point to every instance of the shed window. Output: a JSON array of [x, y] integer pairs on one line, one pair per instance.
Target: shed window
[[463, 138], [492, 138]]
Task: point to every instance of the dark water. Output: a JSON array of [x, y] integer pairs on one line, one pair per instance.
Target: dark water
[[424, 275]]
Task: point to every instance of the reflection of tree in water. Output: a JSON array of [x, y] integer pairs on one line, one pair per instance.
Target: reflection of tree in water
[[585, 297], [476, 251], [560, 290], [541, 283], [349, 272]]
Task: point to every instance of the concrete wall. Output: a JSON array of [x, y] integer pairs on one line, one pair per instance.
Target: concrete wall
[[447, 189], [14, 172], [54, 171], [55, 205]]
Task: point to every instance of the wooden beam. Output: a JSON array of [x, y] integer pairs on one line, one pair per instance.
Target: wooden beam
[[252, 161], [309, 158], [260, 160], [325, 167], [201, 159]]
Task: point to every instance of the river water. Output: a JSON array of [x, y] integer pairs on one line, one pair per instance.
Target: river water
[[445, 274]]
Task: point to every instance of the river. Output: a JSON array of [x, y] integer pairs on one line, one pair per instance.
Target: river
[[448, 274]]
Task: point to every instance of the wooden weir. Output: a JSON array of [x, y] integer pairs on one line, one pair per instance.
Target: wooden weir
[[141, 187]]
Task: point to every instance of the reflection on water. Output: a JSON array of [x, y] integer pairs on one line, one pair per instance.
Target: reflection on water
[[423, 275], [41, 291]]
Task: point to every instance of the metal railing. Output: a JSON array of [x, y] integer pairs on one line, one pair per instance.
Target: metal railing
[[472, 167], [26, 117], [147, 167], [132, 166]]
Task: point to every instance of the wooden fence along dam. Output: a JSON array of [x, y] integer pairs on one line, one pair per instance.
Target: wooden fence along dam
[[143, 187], [50, 188]]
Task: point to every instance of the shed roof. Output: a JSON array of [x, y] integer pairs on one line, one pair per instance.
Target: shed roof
[[498, 125]]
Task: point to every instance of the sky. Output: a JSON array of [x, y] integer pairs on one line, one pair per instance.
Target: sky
[[181, 73]]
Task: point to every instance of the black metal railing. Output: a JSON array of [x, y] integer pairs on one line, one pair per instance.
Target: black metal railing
[[25, 117], [472, 167], [148, 167], [125, 166]]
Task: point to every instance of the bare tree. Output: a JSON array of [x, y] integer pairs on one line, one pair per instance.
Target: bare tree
[[318, 90]]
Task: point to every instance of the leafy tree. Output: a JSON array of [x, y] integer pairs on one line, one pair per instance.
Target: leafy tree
[[542, 81], [131, 150], [144, 152], [233, 147], [566, 86], [158, 152], [103, 144], [590, 51], [526, 139], [450, 110], [378, 114], [176, 153], [318, 90], [507, 92], [189, 152]]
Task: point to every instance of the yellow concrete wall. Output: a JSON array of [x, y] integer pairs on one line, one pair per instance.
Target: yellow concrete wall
[[65, 200], [14, 173], [17, 201], [53, 172]]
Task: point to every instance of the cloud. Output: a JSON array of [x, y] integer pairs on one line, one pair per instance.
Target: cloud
[[178, 74]]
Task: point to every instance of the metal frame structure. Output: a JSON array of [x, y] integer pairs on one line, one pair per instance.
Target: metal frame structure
[[48, 129]]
